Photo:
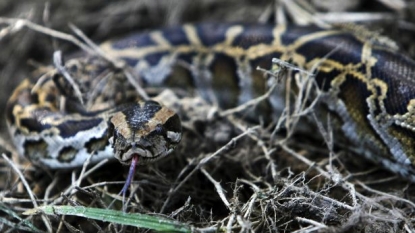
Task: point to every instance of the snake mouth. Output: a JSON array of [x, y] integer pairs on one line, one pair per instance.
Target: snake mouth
[[145, 155]]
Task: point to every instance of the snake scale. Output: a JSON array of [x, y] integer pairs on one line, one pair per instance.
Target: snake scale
[[368, 87]]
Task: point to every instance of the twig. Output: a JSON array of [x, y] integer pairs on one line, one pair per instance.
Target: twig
[[87, 173], [204, 161], [20, 23], [27, 187], [309, 221], [218, 188], [58, 62], [386, 194]]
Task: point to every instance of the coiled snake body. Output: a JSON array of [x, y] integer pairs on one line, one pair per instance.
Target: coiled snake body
[[368, 87]]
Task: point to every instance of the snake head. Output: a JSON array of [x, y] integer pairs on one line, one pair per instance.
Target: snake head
[[145, 129]]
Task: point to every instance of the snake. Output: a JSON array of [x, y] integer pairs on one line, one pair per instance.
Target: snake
[[364, 84]]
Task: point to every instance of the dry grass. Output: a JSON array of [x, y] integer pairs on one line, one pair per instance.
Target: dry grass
[[227, 175]]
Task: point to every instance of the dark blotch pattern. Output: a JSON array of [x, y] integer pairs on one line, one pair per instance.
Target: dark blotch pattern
[[138, 115], [97, 144], [67, 154], [34, 125], [35, 149], [71, 127], [211, 33], [253, 35]]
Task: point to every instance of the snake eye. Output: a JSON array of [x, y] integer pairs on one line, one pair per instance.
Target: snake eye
[[173, 129], [160, 130]]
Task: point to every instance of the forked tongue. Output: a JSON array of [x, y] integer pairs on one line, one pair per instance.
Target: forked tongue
[[130, 177]]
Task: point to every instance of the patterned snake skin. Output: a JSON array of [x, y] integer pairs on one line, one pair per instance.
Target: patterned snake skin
[[368, 87]]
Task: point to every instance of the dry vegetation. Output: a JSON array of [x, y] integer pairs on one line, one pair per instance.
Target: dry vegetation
[[227, 174]]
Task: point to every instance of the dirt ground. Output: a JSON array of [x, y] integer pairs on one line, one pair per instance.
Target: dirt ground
[[216, 180]]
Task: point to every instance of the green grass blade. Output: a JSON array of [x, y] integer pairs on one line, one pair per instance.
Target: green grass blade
[[131, 219]]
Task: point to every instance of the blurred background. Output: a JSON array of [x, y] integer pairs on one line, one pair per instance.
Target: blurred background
[[22, 50]]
